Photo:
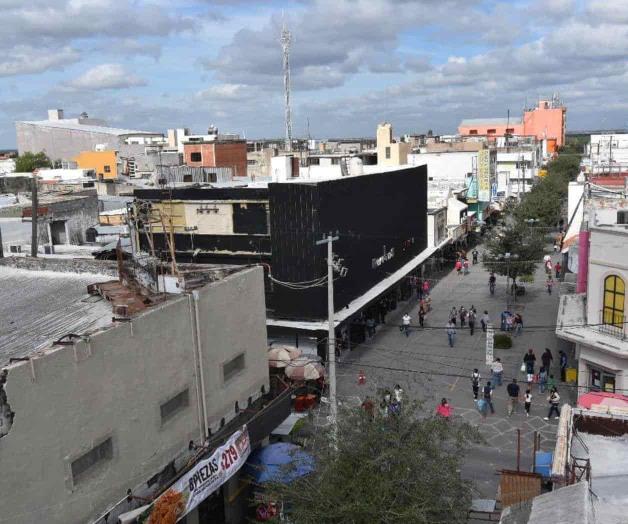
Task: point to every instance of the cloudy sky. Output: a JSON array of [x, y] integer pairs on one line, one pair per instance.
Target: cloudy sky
[[421, 64]]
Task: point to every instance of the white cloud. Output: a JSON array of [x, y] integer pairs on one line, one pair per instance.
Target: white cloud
[[23, 60], [104, 76]]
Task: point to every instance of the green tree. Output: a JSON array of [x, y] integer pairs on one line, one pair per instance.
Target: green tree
[[28, 162], [525, 244], [393, 469]]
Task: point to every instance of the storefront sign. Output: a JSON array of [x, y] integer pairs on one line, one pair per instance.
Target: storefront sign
[[204, 478], [388, 255], [484, 176], [490, 332]]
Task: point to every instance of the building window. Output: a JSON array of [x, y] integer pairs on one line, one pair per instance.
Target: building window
[[232, 367], [88, 461], [491, 131], [614, 297], [388, 152], [107, 169], [602, 381], [188, 178], [510, 130], [173, 406], [473, 131], [196, 157], [622, 217]]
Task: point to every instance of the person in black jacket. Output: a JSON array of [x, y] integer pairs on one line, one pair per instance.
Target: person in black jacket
[[513, 396], [529, 359]]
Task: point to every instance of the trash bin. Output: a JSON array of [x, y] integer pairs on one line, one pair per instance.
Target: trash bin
[[571, 375], [543, 464]]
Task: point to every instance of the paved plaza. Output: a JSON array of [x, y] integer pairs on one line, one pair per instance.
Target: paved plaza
[[428, 369]]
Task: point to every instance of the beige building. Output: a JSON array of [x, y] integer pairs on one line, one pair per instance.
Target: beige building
[[389, 151], [91, 406]]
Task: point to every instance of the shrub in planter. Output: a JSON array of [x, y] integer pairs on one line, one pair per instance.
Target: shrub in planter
[[502, 341], [526, 279]]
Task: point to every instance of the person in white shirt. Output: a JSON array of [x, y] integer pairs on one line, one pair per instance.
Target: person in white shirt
[[405, 324], [398, 393], [497, 371], [527, 401], [451, 333]]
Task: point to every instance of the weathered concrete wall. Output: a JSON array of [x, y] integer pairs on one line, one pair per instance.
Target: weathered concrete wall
[[59, 143], [74, 397]]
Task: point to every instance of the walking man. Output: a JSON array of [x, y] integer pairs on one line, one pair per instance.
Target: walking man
[[475, 256], [485, 321], [462, 313], [475, 383], [452, 315], [451, 333], [547, 358], [497, 371], [487, 393], [405, 324], [513, 396], [529, 359], [471, 317], [554, 400], [421, 315], [563, 366]]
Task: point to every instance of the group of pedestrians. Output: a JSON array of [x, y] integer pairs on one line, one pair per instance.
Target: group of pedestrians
[[390, 403], [466, 318], [513, 389], [510, 322]]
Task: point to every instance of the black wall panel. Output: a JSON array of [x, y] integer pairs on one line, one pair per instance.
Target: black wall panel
[[375, 215]]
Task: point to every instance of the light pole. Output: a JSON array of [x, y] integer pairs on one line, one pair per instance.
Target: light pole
[[508, 257]]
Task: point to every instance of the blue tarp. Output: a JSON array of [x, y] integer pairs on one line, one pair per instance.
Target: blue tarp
[[281, 462], [543, 463]]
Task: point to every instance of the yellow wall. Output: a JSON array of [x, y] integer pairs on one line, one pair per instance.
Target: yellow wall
[[398, 151], [97, 160], [169, 210]]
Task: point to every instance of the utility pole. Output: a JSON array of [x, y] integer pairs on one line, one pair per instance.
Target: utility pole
[[1, 249], [331, 336], [34, 216]]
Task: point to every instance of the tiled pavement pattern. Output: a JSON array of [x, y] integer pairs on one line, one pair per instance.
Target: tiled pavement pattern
[[423, 364]]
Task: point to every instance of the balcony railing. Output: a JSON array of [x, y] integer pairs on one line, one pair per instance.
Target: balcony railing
[[614, 325]]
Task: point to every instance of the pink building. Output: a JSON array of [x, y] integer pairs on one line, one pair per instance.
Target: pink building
[[547, 120]]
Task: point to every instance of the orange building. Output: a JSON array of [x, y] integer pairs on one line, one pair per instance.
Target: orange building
[[546, 121], [103, 162], [217, 153]]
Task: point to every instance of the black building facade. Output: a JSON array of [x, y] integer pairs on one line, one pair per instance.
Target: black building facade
[[382, 223]]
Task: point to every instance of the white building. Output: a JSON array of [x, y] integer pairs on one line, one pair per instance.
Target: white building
[[95, 406], [607, 153], [594, 318], [517, 168]]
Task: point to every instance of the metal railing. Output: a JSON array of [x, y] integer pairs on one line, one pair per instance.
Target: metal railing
[[616, 329]]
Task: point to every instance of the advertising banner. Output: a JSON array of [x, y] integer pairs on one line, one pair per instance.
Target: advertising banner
[[484, 176], [202, 480]]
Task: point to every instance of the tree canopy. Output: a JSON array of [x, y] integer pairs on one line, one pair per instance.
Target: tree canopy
[[28, 162], [400, 468], [525, 244]]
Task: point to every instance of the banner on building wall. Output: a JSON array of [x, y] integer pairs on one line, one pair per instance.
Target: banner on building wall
[[202, 480], [484, 175]]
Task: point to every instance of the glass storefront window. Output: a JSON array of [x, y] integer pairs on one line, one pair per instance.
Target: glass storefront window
[[602, 381]]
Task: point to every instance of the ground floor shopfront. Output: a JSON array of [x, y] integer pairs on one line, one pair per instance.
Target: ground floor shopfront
[[599, 370], [356, 324]]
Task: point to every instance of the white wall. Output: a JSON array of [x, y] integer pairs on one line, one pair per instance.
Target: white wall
[[454, 165], [70, 398], [220, 223]]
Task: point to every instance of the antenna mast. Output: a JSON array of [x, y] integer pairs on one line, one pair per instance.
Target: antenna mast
[[285, 46]]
